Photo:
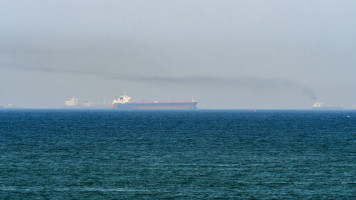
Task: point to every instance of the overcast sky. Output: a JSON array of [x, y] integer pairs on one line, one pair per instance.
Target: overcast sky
[[234, 54]]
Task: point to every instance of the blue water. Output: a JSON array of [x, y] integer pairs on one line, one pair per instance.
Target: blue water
[[93, 154]]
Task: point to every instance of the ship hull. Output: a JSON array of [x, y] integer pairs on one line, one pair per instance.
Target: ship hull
[[328, 108], [156, 106]]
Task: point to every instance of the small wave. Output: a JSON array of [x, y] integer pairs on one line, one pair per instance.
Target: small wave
[[96, 189], [62, 189], [200, 165], [349, 183]]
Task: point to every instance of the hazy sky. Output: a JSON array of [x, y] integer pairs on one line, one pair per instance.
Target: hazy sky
[[225, 53]]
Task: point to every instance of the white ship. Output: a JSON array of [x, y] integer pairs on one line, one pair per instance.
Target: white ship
[[71, 102]]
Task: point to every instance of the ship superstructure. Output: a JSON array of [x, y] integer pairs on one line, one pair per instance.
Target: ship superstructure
[[123, 102], [71, 102]]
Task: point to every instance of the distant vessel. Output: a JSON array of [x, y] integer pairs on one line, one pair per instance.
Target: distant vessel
[[123, 102], [71, 102], [10, 105], [321, 106]]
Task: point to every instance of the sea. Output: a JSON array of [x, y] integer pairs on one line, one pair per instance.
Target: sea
[[199, 154]]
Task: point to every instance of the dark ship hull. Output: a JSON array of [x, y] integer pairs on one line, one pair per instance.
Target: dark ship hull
[[156, 105]]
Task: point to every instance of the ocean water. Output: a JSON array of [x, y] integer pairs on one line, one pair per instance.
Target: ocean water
[[203, 154]]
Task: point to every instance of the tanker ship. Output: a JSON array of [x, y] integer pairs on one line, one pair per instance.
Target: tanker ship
[[123, 102], [321, 106]]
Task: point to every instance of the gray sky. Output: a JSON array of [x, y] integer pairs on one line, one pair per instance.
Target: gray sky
[[226, 54]]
